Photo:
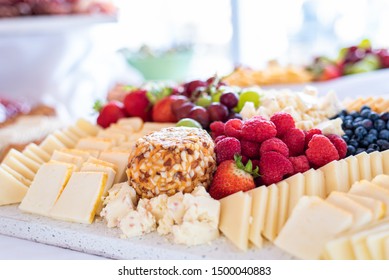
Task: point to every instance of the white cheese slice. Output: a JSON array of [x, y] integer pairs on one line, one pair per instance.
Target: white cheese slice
[[364, 166], [120, 159], [271, 219], [153, 126], [88, 127], [339, 249], [315, 183], [64, 139], [111, 173], [333, 177], [235, 213], [283, 204], [386, 248], [125, 147], [353, 169], [80, 198], [376, 206], [102, 162], [78, 131], [258, 212], [312, 224], [382, 181], [85, 154], [68, 158], [345, 177], [115, 128], [28, 153], [16, 175], [75, 137], [38, 151], [29, 163], [118, 137], [93, 143], [376, 164], [47, 186], [18, 166], [51, 143], [361, 214], [296, 190], [385, 159], [376, 244], [11, 190], [135, 123]]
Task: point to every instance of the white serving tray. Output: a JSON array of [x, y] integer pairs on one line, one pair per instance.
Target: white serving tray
[[99, 240]]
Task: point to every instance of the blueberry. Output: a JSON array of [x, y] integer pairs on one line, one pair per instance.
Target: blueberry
[[343, 113], [345, 138], [379, 124], [371, 138], [374, 147], [349, 117], [387, 125], [357, 122], [348, 124], [364, 143], [365, 113], [358, 119], [351, 150], [384, 116], [373, 116], [353, 142], [368, 124], [384, 134], [360, 150], [373, 131], [360, 131], [349, 133], [365, 107], [383, 144], [370, 151], [354, 114]]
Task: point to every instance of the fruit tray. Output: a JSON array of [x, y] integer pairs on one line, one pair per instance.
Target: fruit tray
[[99, 240]]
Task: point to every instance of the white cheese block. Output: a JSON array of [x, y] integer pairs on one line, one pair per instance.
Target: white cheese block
[[333, 174], [312, 224], [376, 206], [382, 181], [78, 131], [93, 143], [80, 198], [64, 139], [47, 186], [296, 190], [88, 127], [376, 164], [119, 138], [38, 151], [51, 143], [271, 219], [91, 167], [29, 163], [315, 183], [258, 212], [353, 169], [339, 249], [11, 190], [120, 159], [283, 204], [376, 244], [385, 159], [235, 214], [68, 158], [365, 188], [135, 123], [361, 214], [18, 166], [364, 166], [16, 175]]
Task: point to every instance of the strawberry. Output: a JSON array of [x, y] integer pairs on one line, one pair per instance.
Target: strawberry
[[109, 113], [162, 110], [233, 176], [137, 104]]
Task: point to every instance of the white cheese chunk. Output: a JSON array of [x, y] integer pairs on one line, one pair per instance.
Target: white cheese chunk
[[11, 190], [314, 183], [120, 159], [271, 218], [296, 190], [364, 166], [258, 213]]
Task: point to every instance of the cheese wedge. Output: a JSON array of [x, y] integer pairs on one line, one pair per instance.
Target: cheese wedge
[[235, 214], [38, 151], [361, 214], [18, 166], [135, 123], [364, 166], [333, 175], [376, 244], [382, 181], [315, 183], [353, 169], [51, 143], [47, 186], [119, 138], [68, 158], [31, 164], [88, 127], [385, 159], [258, 211], [120, 159], [93, 143], [296, 190], [376, 164], [11, 190], [365, 188], [271, 219], [312, 224], [64, 139], [16, 175], [283, 204], [80, 198], [376, 206]]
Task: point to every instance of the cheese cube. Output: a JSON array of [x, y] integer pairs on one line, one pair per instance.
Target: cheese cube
[[385, 159], [88, 127], [29, 163], [271, 219], [361, 214], [47, 186], [283, 204], [376, 244], [296, 190], [382, 181], [68, 158], [353, 169], [120, 160], [135, 123], [38, 151], [79, 200], [16, 175], [99, 144], [333, 174], [364, 166], [64, 139], [368, 189], [376, 206], [315, 183], [235, 213], [258, 212], [11, 190], [376, 164], [18, 166], [51, 143], [312, 224]]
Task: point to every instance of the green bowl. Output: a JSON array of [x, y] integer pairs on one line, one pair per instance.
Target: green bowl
[[170, 66]]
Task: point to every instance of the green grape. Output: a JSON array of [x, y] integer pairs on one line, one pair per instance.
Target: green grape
[[251, 96], [365, 44], [216, 96], [189, 123], [204, 101]]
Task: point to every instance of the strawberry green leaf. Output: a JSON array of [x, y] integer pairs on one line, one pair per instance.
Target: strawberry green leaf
[[98, 106]]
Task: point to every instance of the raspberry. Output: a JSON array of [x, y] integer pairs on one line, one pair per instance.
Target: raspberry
[[294, 138], [226, 149], [233, 128], [217, 129], [250, 149], [273, 167], [258, 130], [300, 164], [220, 137], [321, 151], [339, 144], [283, 122], [309, 134], [274, 145]]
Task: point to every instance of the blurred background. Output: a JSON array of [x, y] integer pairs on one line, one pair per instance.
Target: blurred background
[[68, 61]]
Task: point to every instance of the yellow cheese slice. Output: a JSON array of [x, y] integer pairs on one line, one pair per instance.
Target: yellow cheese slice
[[296, 190], [385, 159], [38, 151], [312, 224], [361, 214], [11, 190], [365, 188], [333, 175], [382, 181], [50, 144], [16, 175], [135, 123], [376, 244], [283, 204], [235, 214], [68, 158], [271, 219], [47, 186], [18, 166], [29, 163], [93, 143], [364, 166], [64, 139], [111, 173], [376, 164], [376, 206], [314, 183], [258, 211], [119, 138], [353, 169], [80, 198], [120, 159], [88, 127]]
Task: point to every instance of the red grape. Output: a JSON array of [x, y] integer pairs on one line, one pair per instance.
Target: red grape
[[217, 112], [183, 111], [201, 115], [176, 104], [233, 115], [193, 85], [229, 99]]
